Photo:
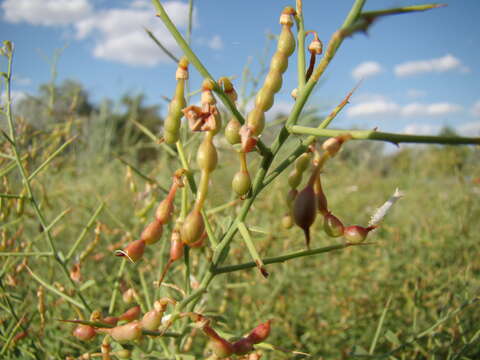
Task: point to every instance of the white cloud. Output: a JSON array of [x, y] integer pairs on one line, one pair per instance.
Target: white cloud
[[469, 129], [435, 109], [120, 34], [415, 93], [476, 109], [215, 43], [46, 12], [15, 95], [422, 129], [366, 69], [379, 105], [442, 64]]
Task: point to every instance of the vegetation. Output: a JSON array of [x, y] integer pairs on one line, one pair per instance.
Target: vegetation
[[86, 184]]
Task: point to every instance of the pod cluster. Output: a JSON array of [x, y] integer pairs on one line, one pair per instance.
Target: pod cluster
[[305, 204], [255, 121], [178, 103]]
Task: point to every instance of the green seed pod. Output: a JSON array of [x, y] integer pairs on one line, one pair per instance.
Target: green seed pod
[[286, 42], [124, 354], [294, 179], [207, 155], [302, 162], [273, 81], [241, 183], [256, 121], [170, 137], [279, 63], [193, 227], [264, 99], [232, 131], [292, 194], [332, 225]]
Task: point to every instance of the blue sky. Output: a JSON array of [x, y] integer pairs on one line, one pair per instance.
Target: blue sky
[[419, 71]]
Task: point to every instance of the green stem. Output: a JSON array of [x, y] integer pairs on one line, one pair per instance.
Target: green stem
[[251, 248], [384, 136], [26, 181], [283, 258], [111, 307], [300, 46], [84, 232]]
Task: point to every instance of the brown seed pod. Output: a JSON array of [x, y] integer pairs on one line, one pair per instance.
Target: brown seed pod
[[242, 346], [84, 332], [152, 233], [131, 314], [260, 333], [134, 251], [356, 234], [305, 210], [125, 333]]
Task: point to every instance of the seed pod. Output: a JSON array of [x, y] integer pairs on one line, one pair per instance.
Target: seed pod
[[273, 81], [193, 227], [152, 320], [292, 194], [242, 346], [322, 202], [332, 225], [207, 155], [305, 210], [134, 251], [333, 145], [260, 333], [294, 179], [170, 137], [279, 63], [241, 183], [286, 42], [84, 332], [111, 320], [152, 233], [232, 131], [176, 247], [287, 221], [302, 162], [356, 234], [131, 314], [263, 100], [220, 347], [124, 333], [128, 296], [124, 354]]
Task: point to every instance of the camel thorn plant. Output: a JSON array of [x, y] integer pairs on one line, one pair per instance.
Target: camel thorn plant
[[146, 324]]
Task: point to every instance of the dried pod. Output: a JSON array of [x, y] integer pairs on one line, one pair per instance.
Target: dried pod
[[131, 314], [305, 210], [332, 225], [134, 251], [260, 333], [84, 332], [152, 233], [232, 131], [243, 346], [356, 234], [241, 183], [193, 227]]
